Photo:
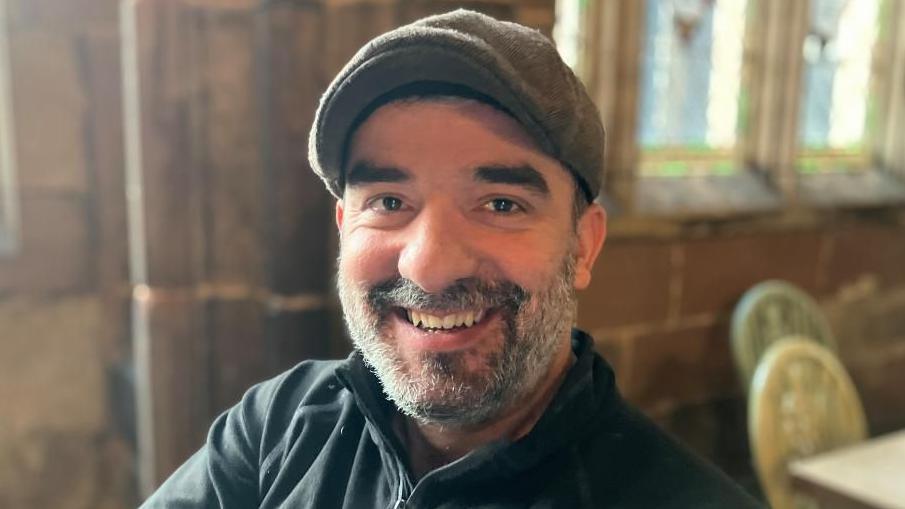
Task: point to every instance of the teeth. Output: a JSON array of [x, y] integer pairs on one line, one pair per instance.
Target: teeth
[[426, 321]]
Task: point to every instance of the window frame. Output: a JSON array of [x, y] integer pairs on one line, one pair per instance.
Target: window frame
[[610, 65], [10, 229]]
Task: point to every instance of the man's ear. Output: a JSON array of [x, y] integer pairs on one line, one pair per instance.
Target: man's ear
[[339, 215], [591, 235]]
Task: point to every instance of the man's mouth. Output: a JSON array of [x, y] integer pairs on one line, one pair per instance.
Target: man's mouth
[[435, 321]]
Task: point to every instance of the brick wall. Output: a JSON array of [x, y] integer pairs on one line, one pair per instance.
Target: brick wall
[[660, 310], [63, 321]]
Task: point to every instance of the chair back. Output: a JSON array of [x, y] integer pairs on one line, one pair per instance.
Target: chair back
[[768, 312], [802, 402]]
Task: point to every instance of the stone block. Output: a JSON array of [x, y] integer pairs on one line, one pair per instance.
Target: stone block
[[294, 336], [671, 368], [874, 251], [53, 469], [64, 16], [104, 136], [49, 469], [55, 254], [169, 214], [867, 325], [347, 27], [172, 360], [49, 108], [299, 208], [415, 9], [295, 56], [224, 5], [238, 349], [629, 285], [719, 270], [236, 251], [303, 253], [232, 170], [51, 366], [173, 227], [879, 384], [541, 17], [228, 80]]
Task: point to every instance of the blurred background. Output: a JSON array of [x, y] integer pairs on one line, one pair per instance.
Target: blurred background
[[163, 244]]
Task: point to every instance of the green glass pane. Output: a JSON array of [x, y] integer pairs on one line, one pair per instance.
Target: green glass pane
[[723, 168], [808, 165], [674, 169]]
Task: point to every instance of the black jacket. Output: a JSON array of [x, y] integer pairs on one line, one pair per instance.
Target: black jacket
[[319, 436]]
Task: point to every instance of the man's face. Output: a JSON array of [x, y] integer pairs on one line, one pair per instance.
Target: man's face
[[459, 258]]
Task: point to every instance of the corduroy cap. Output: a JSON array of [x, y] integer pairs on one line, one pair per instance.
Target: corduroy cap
[[511, 65]]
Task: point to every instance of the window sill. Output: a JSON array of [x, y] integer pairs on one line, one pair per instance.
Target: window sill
[[711, 196], [870, 188], [744, 203]]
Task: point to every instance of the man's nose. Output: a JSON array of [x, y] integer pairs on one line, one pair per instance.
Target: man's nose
[[438, 251]]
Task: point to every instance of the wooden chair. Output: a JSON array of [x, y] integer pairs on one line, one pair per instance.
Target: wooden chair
[[768, 312], [802, 402]]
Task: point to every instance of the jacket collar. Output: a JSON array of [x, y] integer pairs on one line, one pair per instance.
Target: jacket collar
[[579, 405]]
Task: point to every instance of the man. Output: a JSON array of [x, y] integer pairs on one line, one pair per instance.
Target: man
[[465, 157]]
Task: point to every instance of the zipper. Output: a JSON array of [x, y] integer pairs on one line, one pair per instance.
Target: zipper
[[400, 493]]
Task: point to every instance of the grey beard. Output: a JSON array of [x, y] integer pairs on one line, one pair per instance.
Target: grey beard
[[443, 391]]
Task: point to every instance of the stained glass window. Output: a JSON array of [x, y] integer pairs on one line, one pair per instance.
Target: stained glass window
[[9, 211], [691, 86], [567, 31], [836, 104]]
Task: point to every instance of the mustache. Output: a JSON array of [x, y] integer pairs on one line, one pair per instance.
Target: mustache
[[466, 293]]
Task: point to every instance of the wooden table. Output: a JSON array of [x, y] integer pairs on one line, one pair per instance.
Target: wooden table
[[867, 475]]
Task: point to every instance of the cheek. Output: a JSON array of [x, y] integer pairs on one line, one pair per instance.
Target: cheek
[[367, 258], [532, 269]]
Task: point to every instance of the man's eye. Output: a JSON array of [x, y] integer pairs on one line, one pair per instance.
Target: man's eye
[[503, 205], [387, 204]]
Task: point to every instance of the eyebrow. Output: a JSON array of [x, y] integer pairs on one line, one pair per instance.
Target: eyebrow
[[523, 175], [364, 172]]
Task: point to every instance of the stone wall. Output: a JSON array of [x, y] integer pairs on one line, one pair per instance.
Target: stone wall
[[63, 320], [660, 310]]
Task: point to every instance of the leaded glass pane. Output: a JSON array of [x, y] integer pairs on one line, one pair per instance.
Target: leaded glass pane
[[836, 100], [567, 30], [691, 86]]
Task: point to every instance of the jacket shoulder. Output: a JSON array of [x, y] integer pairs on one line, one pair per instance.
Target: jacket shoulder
[[655, 470], [275, 401]]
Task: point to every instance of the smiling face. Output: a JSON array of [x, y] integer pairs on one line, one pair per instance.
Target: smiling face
[[459, 258]]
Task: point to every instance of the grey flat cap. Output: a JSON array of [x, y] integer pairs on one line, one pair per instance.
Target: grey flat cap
[[517, 67]]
